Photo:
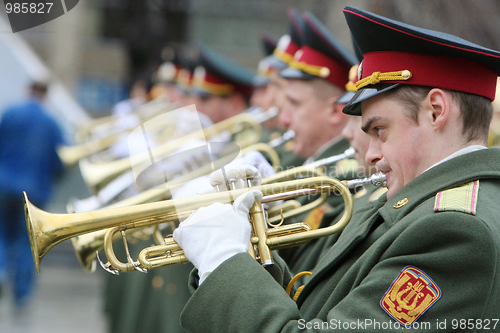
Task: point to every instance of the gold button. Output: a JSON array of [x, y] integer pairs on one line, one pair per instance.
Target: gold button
[[400, 203], [171, 288], [157, 282], [324, 72], [406, 74]]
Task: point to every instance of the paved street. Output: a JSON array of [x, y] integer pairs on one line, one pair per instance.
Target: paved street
[[67, 299]]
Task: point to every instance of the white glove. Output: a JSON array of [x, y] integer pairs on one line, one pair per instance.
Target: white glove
[[215, 233], [259, 161]]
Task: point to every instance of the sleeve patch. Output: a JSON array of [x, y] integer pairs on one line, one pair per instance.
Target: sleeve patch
[[460, 199], [410, 295]]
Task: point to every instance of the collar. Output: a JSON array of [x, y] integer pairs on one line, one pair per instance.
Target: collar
[[476, 165], [462, 151]]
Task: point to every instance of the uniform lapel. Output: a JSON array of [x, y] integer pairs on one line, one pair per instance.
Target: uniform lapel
[[355, 232]]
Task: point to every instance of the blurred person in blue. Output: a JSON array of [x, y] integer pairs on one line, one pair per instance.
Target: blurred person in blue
[[28, 162]]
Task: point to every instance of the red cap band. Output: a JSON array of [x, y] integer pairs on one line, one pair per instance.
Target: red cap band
[[291, 48], [434, 71], [337, 73]]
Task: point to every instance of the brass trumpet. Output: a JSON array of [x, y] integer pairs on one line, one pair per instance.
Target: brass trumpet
[[70, 155], [46, 230], [88, 245], [106, 125]]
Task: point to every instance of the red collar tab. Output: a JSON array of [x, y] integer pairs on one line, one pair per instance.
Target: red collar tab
[[318, 64], [432, 70]]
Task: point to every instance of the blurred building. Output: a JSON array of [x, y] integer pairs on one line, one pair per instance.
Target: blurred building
[[98, 48]]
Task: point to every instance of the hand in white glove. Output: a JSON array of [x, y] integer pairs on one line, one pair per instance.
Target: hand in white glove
[[259, 161], [215, 233]]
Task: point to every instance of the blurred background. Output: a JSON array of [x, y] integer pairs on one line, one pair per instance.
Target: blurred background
[[94, 53]]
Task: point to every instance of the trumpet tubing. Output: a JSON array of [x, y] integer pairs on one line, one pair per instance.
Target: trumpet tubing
[[46, 230]]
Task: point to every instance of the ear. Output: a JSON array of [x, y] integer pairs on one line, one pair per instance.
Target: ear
[[335, 114], [438, 107]]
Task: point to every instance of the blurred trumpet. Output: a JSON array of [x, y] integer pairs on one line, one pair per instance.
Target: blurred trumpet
[[121, 183], [105, 126], [310, 169], [97, 175]]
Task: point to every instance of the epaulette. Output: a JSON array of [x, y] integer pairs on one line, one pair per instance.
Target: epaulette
[[459, 199], [375, 195]]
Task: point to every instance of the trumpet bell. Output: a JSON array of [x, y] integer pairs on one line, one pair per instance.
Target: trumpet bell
[[29, 212]]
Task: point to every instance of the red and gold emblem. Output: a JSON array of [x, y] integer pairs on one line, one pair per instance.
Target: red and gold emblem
[[315, 217], [410, 295]]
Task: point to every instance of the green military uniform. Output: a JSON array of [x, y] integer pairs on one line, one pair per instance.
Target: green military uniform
[[333, 203], [454, 245], [306, 257], [285, 150], [288, 159]]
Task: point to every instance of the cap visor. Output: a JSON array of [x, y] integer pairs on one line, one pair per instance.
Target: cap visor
[[260, 81], [353, 107], [275, 63], [200, 93], [294, 73], [345, 98]]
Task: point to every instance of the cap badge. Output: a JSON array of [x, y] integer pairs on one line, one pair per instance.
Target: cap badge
[[411, 294], [200, 73], [298, 54], [167, 72], [360, 70], [283, 42]]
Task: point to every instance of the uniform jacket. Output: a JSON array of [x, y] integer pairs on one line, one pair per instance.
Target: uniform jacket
[[306, 257], [458, 252], [334, 201]]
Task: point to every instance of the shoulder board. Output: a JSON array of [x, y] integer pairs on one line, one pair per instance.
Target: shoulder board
[[459, 199], [375, 195]]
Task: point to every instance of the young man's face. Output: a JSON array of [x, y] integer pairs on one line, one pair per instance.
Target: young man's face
[[307, 115], [397, 144], [360, 141]]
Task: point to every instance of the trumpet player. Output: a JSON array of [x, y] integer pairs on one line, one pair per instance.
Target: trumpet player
[[220, 88], [422, 255], [316, 77], [274, 94], [306, 257]]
